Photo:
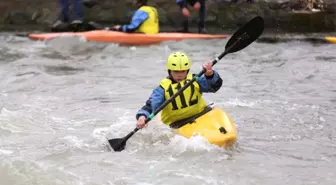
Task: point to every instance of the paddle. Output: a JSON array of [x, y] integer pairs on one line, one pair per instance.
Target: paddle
[[244, 36]]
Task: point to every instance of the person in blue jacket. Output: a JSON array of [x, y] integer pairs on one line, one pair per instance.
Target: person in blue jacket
[[190, 102], [198, 5], [145, 20]]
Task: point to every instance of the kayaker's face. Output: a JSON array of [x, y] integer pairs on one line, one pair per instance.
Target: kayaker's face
[[179, 76]]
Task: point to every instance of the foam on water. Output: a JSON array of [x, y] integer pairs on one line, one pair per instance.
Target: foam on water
[[180, 144], [20, 171], [6, 152]]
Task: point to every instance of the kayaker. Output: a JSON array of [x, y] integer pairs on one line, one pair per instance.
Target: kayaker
[[190, 102], [198, 5], [144, 20]]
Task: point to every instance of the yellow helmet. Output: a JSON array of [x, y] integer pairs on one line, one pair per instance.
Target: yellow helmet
[[178, 61]]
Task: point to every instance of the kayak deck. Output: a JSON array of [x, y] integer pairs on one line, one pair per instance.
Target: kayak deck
[[331, 39], [126, 38], [216, 126]]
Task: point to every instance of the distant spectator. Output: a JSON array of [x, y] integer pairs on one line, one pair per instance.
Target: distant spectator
[[197, 5], [64, 14]]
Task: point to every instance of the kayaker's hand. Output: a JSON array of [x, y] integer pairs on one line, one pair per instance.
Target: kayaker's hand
[[116, 27], [197, 6], [208, 69], [185, 12], [141, 122]]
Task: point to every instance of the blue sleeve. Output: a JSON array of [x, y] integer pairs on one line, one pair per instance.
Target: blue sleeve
[[155, 100], [157, 97], [210, 84], [138, 18]]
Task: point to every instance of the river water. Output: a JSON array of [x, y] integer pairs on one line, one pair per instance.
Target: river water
[[60, 99]]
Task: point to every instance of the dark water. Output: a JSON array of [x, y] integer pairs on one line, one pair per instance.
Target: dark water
[[59, 99]]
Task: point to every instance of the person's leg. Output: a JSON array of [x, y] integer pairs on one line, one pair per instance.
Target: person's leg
[[310, 5], [64, 16], [184, 20], [64, 13], [202, 15], [78, 11]]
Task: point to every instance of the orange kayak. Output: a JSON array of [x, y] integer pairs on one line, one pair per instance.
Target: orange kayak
[[126, 38]]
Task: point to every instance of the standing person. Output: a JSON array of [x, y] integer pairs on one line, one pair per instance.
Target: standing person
[[198, 5], [64, 14]]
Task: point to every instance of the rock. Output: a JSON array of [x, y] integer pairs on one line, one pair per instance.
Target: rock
[[330, 6], [19, 18]]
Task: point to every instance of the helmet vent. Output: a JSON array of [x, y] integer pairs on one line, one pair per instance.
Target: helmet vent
[[186, 64], [174, 64]]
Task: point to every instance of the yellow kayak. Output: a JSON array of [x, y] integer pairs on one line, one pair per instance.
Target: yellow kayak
[[331, 39], [214, 125]]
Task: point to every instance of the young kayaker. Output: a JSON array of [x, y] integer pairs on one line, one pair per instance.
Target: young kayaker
[[144, 20], [190, 102], [198, 5]]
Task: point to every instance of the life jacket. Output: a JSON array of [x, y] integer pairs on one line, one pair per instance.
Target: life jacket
[[150, 25], [187, 104]]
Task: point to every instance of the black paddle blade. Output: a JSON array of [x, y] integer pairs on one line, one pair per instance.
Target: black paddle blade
[[245, 35], [118, 144]]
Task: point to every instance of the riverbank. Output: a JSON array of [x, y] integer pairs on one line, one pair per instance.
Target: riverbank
[[284, 16]]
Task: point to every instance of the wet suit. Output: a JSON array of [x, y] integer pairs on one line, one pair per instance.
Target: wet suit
[[202, 14]]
